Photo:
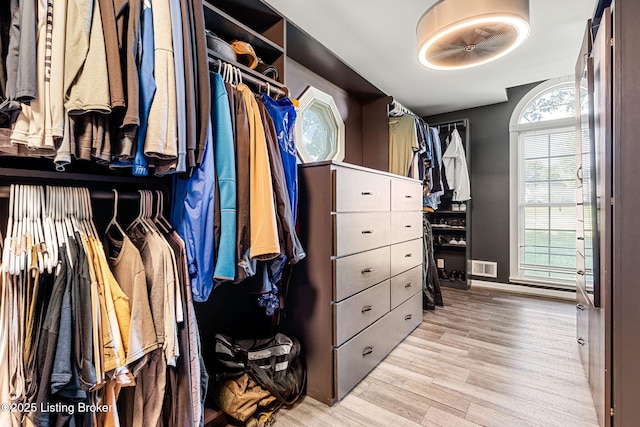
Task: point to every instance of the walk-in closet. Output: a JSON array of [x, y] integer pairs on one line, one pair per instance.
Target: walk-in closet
[[258, 213]]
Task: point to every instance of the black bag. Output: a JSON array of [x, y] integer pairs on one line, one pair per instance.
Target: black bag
[[274, 363]]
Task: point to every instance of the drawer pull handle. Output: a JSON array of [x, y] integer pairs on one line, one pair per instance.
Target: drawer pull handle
[[408, 285], [408, 197], [580, 238], [581, 341], [580, 307], [408, 317], [367, 350], [367, 231], [580, 272], [367, 270], [367, 308], [407, 226], [367, 193], [409, 255]]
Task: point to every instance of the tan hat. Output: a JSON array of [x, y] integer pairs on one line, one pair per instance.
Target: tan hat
[[245, 52]]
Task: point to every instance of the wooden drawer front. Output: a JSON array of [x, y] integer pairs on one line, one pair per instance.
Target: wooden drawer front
[[405, 318], [359, 232], [356, 313], [405, 285], [358, 356], [405, 256], [405, 226], [406, 195], [355, 273], [358, 191]]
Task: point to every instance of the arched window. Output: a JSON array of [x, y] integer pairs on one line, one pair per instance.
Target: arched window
[[543, 185]]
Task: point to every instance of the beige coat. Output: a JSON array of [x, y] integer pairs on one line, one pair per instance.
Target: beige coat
[[262, 212]]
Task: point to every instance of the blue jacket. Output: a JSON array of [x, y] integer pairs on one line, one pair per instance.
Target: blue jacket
[[225, 159], [193, 218], [283, 114], [147, 89]]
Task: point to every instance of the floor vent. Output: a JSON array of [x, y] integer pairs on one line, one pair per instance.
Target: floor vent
[[484, 268]]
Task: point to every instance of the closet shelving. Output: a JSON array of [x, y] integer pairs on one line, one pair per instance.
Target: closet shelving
[[253, 22], [448, 223], [248, 75]]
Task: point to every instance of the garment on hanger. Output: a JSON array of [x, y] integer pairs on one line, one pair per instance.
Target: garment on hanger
[[455, 163], [403, 142], [224, 156], [432, 200], [283, 113], [193, 218]]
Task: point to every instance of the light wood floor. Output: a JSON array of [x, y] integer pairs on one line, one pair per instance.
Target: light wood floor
[[486, 358]]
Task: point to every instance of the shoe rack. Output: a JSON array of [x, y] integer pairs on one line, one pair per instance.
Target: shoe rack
[[451, 244]]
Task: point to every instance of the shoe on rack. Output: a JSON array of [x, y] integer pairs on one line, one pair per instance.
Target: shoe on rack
[[455, 207], [463, 206], [462, 242], [453, 241], [460, 276]]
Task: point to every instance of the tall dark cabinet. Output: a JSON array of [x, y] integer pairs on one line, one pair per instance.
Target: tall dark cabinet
[[607, 271], [451, 222]]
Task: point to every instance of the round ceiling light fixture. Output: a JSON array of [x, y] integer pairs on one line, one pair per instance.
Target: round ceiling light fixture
[[458, 34]]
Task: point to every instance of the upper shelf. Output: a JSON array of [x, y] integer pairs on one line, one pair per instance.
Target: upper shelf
[[266, 37], [450, 212]]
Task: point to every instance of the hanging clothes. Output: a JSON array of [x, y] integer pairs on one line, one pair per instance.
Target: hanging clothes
[[88, 106], [264, 232], [226, 178], [283, 113], [432, 200], [193, 218], [403, 142], [455, 164], [432, 293]]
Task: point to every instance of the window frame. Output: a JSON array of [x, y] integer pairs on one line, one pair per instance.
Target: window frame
[[314, 96], [517, 132]]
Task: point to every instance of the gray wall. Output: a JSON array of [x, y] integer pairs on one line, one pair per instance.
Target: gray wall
[[489, 174]]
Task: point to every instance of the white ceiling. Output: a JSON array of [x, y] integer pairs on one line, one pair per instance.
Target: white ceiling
[[377, 38]]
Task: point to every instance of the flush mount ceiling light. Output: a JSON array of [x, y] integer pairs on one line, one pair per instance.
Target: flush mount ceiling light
[[457, 34]]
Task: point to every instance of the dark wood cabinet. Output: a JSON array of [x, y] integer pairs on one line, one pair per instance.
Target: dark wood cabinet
[[357, 293], [607, 313]]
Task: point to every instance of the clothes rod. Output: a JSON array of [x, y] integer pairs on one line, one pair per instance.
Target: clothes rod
[[461, 122], [262, 83], [5, 192], [395, 105]]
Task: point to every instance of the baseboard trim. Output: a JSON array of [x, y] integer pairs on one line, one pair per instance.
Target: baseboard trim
[[522, 289]]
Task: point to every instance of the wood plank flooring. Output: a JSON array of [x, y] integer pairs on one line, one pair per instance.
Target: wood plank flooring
[[487, 358]]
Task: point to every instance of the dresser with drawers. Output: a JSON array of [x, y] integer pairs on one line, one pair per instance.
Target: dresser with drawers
[[358, 292]]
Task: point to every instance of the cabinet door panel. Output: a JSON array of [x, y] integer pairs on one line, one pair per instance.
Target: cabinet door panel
[[405, 226], [359, 191], [355, 273], [356, 313], [405, 285], [406, 195], [359, 232], [405, 256]]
